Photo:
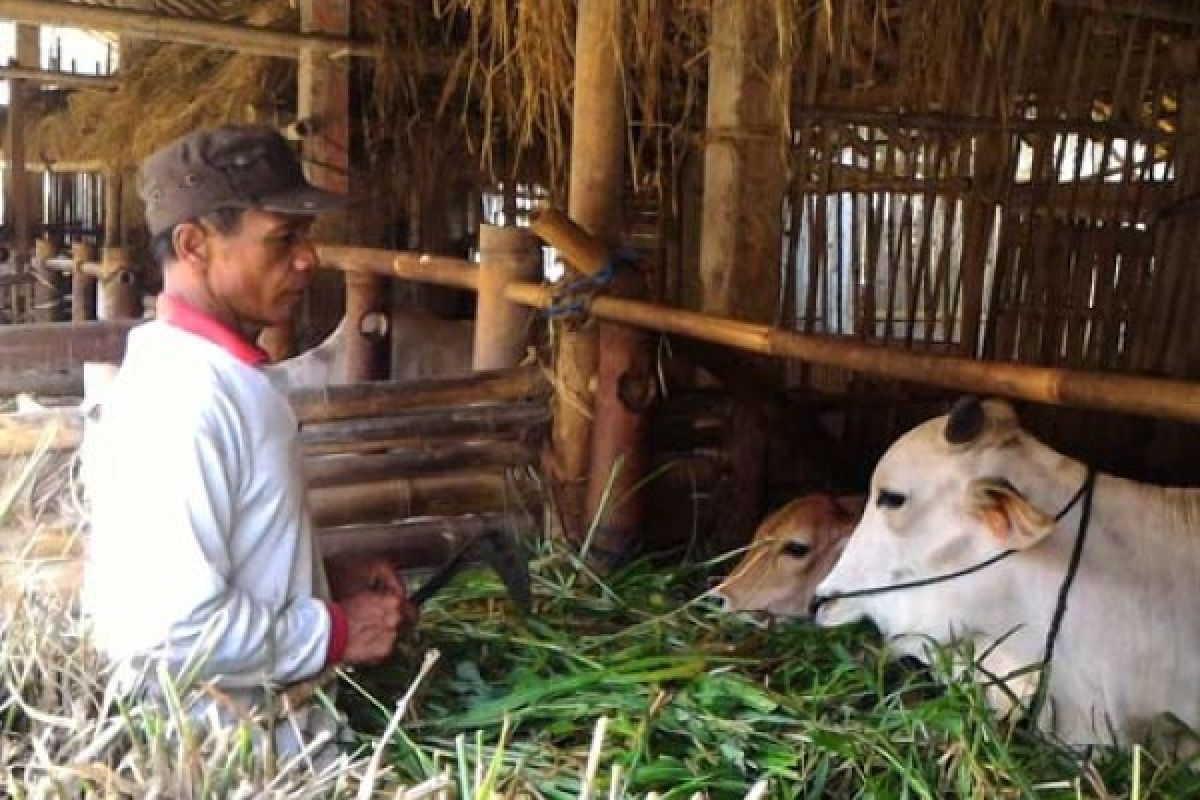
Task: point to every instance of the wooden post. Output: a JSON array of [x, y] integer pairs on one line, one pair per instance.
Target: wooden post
[[20, 211], [117, 292], [744, 173], [501, 326], [322, 93], [83, 284], [594, 202], [45, 282], [745, 178], [365, 344]]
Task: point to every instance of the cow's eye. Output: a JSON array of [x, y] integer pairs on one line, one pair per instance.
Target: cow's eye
[[889, 499], [796, 549]]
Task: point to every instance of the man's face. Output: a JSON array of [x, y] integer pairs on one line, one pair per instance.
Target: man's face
[[261, 271]]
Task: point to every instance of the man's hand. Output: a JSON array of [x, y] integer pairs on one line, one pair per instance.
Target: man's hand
[[349, 577], [373, 621]]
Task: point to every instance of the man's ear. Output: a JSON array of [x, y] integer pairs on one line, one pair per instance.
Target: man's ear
[[191, 243], [1010, 517]]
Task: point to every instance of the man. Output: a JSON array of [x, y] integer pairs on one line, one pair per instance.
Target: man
[[201, 553]]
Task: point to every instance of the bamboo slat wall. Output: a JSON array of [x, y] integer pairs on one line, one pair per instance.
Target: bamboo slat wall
[[1033, 206]]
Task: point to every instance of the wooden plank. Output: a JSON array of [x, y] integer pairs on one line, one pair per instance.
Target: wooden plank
[[182, 30], [58, 78]]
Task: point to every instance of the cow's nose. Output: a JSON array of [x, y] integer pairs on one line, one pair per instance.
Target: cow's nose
[[717, 598]]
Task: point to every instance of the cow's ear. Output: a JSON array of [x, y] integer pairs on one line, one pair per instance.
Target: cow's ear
[[1010, 517]]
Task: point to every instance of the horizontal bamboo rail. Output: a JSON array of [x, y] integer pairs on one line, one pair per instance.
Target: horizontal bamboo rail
[[413, 266], [185, 30], [414, 543], [340, 469], [76, 80], [1128, 394], [384, 398], [509, 419], [442, 494]]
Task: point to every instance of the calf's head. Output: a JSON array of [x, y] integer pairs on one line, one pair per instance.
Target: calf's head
[[793, 549], [947, 495]]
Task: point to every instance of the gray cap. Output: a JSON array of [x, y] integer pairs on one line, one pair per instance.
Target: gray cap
[[233, 166]]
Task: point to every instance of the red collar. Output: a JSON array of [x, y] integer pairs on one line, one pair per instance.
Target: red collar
[[185, 316]]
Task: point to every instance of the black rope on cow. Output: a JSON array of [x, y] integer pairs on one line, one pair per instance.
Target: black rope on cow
[[1088, 492]]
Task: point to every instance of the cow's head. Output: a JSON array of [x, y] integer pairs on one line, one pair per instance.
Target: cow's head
[[949, 494], [793, 550]]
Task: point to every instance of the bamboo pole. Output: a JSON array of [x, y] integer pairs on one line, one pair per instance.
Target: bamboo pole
[[501, 327], [415, 543], [451, 420], [45, 282], [117, 289], [83, 285], [597, 182], [57, 346], [1157, 397], [342, 469], [441, 270], [583, 252], [48, 77], [364, 353], [20, 212], [458, 492], [184, 30], [389, 397]]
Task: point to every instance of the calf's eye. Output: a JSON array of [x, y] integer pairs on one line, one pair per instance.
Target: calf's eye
[[796, 549], [889, 499]]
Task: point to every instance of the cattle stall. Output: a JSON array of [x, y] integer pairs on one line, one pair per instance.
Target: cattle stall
[[656, 287]]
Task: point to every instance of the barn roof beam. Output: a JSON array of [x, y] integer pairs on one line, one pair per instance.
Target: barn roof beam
[[181, 30], [53, 77]]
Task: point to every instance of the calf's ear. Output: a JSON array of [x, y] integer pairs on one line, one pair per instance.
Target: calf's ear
[[1010, 517]]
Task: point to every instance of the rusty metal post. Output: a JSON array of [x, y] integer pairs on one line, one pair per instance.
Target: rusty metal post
[[45, 283], [365, 340], [83, 283], [501, 326], [117, 293]]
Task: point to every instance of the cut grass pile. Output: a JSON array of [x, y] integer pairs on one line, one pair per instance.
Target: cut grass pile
[[695, 700]]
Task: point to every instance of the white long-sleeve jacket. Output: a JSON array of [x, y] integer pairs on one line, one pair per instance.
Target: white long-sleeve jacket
[[200, 542]]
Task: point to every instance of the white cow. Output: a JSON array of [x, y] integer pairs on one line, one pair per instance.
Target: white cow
[[428, 347], [959, 490]]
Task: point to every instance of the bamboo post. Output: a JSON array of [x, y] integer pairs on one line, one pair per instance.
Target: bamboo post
[[83, 283], [501, 326], [117, 289], [45, 282], [365, 345], [20, 198], [594, 202]]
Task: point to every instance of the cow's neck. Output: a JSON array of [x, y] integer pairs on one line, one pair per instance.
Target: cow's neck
[[1140, 565]]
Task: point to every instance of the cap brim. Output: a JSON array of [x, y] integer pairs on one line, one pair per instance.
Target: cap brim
[[305, 200]]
